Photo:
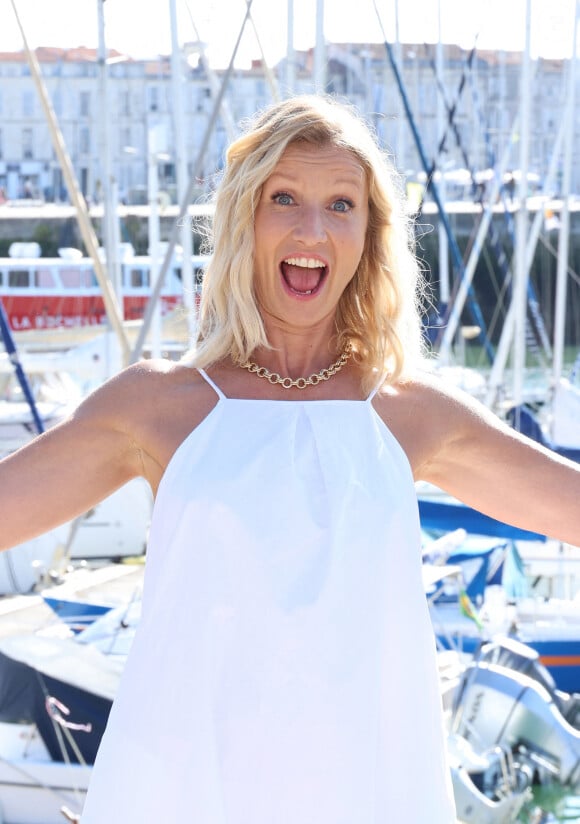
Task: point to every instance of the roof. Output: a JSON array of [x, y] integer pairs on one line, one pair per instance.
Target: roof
[[54, 54]]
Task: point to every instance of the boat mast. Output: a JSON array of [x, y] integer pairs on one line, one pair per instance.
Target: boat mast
[[110, 198], [319, 50], [442, 236], [496, 376], [400, 139], [181, 169], [453, 316], [153, 157], [521, 269], [564, 234], [290, 53]]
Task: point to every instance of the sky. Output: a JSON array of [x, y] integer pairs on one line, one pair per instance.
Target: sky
[[141, 28]]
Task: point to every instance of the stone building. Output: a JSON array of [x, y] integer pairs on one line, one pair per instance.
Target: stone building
[[482, 89]]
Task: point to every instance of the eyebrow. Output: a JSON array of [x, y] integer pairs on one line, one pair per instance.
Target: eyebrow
[[352, 178]]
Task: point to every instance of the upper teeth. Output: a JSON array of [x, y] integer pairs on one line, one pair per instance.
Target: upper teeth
[[305, 263]]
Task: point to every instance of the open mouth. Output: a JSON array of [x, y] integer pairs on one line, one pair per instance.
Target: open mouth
[[303, 276]]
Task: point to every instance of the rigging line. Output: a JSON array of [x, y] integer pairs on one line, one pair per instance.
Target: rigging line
[[455, 252], [451, 109], [272, 82], [535, 323], [269, 74], [212, 79], [501, 291], [14, 358], [571, 272], [62, 734]]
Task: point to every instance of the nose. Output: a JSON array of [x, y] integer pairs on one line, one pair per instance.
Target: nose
[[310, 226]]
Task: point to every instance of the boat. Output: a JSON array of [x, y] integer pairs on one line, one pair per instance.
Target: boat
[[508, 728], [555, 425], [489, 786], [56, 395], [57, 684], [55, 699], [48, 293], [484, 588], [506, 698]]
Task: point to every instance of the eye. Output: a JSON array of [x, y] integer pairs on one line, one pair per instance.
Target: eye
[[282, 198], [343, 204]]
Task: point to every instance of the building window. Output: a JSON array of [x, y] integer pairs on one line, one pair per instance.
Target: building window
[[153, 98], [125, 103], [27, 144], [57, 102], [85, 104], [84, 140], [126, 144], [27, 104]]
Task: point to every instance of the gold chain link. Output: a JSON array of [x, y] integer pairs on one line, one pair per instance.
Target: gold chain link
[[298, 383]]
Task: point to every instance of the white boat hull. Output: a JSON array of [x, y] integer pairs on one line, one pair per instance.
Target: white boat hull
[[34, 793]]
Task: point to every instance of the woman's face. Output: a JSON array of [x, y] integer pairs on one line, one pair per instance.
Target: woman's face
[[309, 231]]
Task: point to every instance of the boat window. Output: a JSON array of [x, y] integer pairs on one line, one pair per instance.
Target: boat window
[[90, 279], [138, 278], [72, 277], [19, 278], [45, 279]]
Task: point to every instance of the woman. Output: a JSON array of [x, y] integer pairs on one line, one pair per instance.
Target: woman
[[284, 670]]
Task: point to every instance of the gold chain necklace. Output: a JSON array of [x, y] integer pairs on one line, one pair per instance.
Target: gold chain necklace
[[298, 383]]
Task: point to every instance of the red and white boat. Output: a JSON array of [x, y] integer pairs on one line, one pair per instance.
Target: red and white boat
[[50, 293]]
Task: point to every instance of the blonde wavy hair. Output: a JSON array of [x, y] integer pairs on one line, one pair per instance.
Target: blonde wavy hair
[[378, 313]]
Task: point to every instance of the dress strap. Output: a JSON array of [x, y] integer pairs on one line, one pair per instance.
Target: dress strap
[[213, 385], [380, 381]]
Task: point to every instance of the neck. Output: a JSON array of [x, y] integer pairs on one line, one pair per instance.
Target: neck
[[303, 381], [297, 353]]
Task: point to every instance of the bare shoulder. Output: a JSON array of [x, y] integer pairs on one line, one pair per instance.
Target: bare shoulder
[[155, 403], [128, 427], [426, 414], [141, 389]]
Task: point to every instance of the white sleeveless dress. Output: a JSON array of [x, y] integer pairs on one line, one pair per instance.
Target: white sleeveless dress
[[284, 670]]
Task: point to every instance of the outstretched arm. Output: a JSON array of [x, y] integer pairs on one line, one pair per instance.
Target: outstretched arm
[[70, 468], [460, 446]]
